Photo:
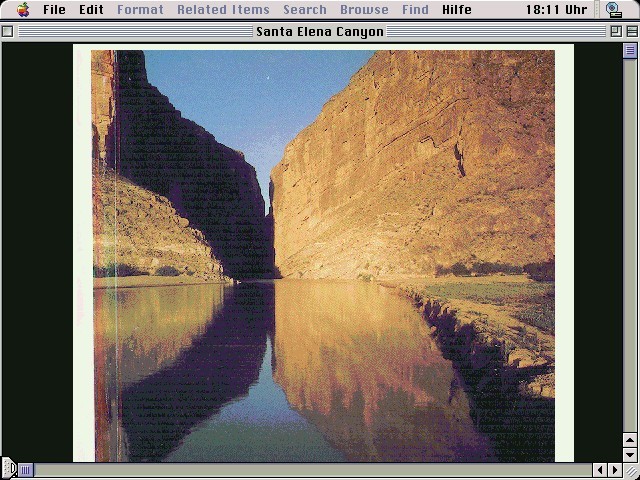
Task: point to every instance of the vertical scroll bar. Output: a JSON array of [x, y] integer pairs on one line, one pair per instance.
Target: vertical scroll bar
[[630, 245]]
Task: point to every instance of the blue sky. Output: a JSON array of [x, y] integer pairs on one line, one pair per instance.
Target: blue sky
[[253, 101]]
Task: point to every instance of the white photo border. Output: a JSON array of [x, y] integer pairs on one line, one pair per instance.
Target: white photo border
[[83, 359]]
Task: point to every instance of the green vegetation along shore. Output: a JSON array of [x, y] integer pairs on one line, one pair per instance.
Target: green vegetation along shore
[[512, 312]]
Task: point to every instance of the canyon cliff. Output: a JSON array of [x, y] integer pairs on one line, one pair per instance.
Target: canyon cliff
[[206, 184], [426, 159], [133, 227]]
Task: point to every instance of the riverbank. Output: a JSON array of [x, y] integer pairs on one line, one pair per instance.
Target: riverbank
[[511, 310], [154, 281], [498, 332]]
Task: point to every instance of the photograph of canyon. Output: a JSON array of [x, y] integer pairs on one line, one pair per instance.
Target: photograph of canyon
[[324, 255]]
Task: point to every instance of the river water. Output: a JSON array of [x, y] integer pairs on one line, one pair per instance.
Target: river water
[[275, 371]]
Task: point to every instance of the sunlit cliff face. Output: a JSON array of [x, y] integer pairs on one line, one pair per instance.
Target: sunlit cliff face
[[377, 387], [102, 101], [426, 158]]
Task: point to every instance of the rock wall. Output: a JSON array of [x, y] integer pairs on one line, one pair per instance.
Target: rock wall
[[209, 183], [425, 159], [135, 227], [102, 104], [132, 225]]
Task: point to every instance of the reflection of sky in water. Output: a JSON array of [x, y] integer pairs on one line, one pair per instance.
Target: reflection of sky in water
[[241, 428]]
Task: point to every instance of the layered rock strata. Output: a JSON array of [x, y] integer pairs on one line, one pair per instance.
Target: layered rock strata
[[426, 159], [135, 227]]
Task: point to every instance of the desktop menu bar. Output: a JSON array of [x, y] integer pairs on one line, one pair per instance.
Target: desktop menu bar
[[318, 10]]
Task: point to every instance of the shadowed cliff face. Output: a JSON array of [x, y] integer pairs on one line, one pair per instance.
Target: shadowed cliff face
[[208, 183], [425, 159], [144, 226]]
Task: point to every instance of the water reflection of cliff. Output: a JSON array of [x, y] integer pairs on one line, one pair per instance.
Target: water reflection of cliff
[[354, 360], [359, 363], [182, 353], [152, 325]]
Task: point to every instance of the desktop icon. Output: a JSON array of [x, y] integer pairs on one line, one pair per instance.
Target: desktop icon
[[23, 10]]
